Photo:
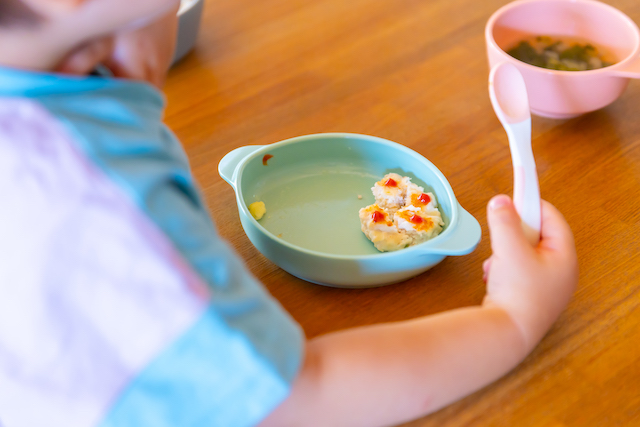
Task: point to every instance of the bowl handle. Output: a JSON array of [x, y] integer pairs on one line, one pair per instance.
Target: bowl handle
[[630, 70], [464, 239], [229, 163]]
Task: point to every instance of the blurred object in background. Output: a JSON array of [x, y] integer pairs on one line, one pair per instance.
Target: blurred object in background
[[189, 23]]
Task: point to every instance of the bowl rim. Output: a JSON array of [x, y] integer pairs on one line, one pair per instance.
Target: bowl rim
[[576, 3], [422, 248]]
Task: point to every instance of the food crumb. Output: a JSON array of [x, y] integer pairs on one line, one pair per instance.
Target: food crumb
[[359, 196], [280, 235], [257, 210]]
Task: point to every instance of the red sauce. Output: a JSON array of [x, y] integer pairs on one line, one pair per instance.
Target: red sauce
[[390, 182], [377, 216], [424, 198], [416, 219], [266, 158]]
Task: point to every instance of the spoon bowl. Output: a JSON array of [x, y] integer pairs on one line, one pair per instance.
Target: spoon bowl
[[509, 94]]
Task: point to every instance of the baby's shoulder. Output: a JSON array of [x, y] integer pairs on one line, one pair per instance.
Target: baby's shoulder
[[31, 139], [46, 180], [37, 152], [58, 205]]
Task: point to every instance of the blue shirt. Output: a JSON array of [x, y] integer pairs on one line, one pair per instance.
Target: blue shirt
[[122, 306]]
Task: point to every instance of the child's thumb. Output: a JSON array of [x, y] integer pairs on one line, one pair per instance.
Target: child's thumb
[[505, 227]]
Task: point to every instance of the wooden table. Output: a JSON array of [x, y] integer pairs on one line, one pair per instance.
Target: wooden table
[[415, 72]]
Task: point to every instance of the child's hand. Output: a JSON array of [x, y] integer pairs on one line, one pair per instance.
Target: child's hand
[[533, 284], [146, 53], [140, 54]]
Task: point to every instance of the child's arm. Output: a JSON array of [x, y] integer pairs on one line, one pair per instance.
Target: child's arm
[[386, 374]]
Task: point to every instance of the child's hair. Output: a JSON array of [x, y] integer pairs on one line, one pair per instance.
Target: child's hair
[[15, 12]]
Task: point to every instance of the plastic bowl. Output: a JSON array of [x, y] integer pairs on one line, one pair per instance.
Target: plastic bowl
[[311, 187], [565, 94]]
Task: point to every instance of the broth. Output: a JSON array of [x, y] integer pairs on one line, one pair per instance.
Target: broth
[[561, 53]]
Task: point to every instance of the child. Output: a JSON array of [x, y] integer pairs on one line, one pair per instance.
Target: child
[[122, 306]]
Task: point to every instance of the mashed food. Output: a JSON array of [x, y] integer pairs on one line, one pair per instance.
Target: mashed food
[[403, 214], [257, 210]]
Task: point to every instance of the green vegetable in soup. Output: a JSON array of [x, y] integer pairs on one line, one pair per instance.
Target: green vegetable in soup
[[545, 52]]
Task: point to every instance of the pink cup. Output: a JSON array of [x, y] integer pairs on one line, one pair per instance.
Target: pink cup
[[565, 94]]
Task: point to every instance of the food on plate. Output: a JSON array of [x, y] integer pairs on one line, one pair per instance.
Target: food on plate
[[402, 215], [257, 210], [559, 54]]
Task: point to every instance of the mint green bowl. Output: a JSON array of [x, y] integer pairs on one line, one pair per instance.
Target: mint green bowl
[[313, 187]]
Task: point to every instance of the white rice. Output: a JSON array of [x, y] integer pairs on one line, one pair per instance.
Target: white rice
[[403, 214]]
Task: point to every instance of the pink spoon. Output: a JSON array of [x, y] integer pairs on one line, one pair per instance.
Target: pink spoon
[[510, 101]]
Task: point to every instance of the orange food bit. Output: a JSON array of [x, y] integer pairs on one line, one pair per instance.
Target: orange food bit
[[377, 216], [419, 222], [390, 182], [416, 219], [424, 198], [266, 158]]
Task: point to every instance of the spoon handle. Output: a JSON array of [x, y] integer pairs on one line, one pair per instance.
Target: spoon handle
[[526, 192]]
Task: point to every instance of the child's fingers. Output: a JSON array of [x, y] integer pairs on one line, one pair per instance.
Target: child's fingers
[[146, 53], [85, 58], [555, 233], [505, 228], [486, 266]]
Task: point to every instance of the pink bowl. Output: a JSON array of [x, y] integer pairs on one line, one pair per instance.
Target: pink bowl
[[565, 94]]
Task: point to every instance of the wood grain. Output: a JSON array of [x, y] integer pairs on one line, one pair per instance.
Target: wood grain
[[415, 72]]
